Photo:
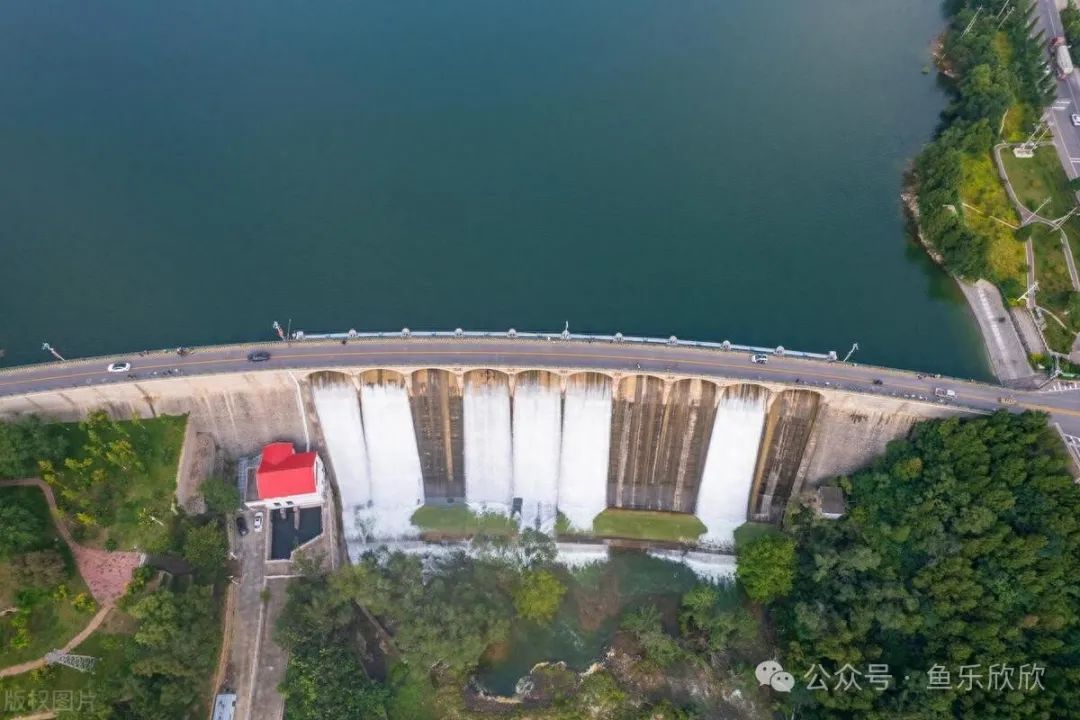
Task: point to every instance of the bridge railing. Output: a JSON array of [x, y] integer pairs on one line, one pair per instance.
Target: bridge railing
[[617, 338]]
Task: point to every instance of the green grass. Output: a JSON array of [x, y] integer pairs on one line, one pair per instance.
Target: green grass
[[107, 647], [1038, 178], [149, 494], [750, 531], [648, 525], [460, 520], [52, 620], [981, 187]]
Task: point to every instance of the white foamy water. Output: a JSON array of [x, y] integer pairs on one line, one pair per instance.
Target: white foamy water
[[488, 451], [537, 433], [397, 484], [586, 441], [579, 555], [343, 431], [707, 566], [729, 465]]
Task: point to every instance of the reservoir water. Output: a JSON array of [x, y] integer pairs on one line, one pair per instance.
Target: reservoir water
[[714, 169]]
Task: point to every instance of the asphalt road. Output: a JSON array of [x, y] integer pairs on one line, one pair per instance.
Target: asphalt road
[[1066, 136], [1063, 406]]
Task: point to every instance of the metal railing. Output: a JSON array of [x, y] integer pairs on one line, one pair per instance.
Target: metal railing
[[566, 336]]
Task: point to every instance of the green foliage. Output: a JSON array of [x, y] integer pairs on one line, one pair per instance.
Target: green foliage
[[766, 567], [24, 442], [43, 569], [20, 529], [648, 525], [999, 66], [709, 626], [962, 546], [206, 547], [1070, 19], [175, 652], [329, 682], [222, 497], [657, 646], [448, 619], [537, 595]]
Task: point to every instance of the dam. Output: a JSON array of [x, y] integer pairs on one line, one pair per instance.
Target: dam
[[542, 432]]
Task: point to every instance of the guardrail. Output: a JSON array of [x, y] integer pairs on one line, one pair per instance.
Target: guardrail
[[672, 341]]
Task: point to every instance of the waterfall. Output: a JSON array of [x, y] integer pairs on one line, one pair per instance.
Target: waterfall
[[730, 463], [586, 439], [488, 449], [343, 431], [537, 434], [397, 485]]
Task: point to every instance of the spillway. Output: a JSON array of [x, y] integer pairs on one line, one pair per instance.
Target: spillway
[[338, 408], [437, 417], [397, 484], [689, 410], [586, 439], [537, 438], [731, 460], [488, 449], [636, 423], [787, 431]]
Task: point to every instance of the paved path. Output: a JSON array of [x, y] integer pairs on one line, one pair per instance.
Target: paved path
[[105, 573]]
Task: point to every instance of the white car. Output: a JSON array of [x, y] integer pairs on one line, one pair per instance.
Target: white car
[[119, 367], [1075, 119], [759, 358], [258, 521]]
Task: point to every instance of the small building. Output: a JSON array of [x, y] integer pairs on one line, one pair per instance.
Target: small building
[[224, 706], [283, 478], [830, 502]]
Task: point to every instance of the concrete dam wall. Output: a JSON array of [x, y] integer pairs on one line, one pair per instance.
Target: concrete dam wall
[[532, 443]]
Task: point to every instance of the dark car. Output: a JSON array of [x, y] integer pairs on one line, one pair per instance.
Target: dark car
[[241, 525], [878, 382], [259, 356]]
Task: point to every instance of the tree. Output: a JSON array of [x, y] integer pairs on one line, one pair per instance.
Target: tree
[[25, 442], [538, 595], [43, 568], [206, 548], [221, 497], [962, 547], [20, 529], [766, 567], [328, 681], [658, 647]]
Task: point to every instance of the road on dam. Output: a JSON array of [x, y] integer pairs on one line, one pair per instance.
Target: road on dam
[[555, 353]]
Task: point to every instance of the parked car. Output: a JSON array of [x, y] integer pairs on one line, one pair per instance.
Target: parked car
[[119, 367], [759, 358], [1076, 120], [241, 525], [259, 356], [258, 521]]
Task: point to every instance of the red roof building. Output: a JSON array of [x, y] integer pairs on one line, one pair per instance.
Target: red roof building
[[285, 473]]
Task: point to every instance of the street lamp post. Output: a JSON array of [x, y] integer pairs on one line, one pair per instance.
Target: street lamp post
[[50, 349]]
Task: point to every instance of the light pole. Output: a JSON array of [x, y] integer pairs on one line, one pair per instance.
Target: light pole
[[854, 347], [278, 330], [50, 349]]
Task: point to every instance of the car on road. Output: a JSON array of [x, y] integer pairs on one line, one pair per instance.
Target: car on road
[[241, 525], [258, 356], [877, 381], [1007, 400], [119, 367], [1075, 117], [258, 522], [943, 393], [759, 358]]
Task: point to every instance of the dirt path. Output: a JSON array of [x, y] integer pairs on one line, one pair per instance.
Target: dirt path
[[107, 574]]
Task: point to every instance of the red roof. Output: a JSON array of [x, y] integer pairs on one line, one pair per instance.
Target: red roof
[[283, 472]]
